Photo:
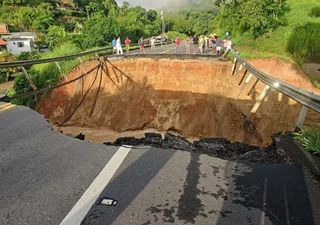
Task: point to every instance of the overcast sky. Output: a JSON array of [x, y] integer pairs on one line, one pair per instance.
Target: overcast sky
[[151, 3]]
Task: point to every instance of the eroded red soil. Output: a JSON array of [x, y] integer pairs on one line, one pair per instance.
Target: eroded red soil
[[196, 98]]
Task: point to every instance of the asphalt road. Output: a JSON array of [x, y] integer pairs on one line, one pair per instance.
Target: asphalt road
[[47, 178], [171, 49]]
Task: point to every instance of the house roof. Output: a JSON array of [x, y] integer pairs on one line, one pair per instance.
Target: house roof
[[20, 34], [2, 42], [19, 39]]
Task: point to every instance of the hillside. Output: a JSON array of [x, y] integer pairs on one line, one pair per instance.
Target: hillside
[[276, 42]]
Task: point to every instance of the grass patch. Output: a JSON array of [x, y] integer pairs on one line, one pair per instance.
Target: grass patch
[[45, 75], [310, 140]]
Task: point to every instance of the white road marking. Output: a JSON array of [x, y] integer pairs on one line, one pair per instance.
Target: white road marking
[[6, 106], [286, 204], [82, 207], [264, 206], [167, 50]]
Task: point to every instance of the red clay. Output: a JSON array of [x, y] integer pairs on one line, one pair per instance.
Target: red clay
[[196, 98]]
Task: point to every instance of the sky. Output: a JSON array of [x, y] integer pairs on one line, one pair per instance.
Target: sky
[[152, 4]]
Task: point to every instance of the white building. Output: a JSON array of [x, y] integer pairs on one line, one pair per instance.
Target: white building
[[19, 45]]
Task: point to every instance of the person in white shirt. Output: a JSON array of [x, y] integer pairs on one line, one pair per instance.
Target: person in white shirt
[[119, 47], [153, 42], [227, 46]]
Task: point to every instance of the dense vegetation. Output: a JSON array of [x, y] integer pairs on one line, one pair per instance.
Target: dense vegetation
[[91, 23], [254, 17], [310, 140], [298, 15]]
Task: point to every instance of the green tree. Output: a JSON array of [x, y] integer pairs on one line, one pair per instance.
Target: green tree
[[44, 17], [55, 36], [253, 16], [98, 31]]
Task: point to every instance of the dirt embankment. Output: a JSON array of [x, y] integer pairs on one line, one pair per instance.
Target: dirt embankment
[[196, 98]]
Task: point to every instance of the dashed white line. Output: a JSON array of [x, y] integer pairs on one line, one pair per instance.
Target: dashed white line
[[264, 203], [286, 204], [82, 207]]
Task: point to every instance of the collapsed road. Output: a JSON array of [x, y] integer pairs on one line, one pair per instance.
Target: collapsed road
[[45, 176], [176, 175]]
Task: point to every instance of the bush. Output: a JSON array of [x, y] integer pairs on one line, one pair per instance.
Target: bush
[[315, 12], [310, 140], [173, 34], [45, 75], [304, 43]]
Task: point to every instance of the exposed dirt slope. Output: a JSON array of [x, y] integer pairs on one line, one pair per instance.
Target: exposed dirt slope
[[194, 98]]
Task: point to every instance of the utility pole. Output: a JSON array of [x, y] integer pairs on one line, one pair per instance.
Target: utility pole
[[163, 27]]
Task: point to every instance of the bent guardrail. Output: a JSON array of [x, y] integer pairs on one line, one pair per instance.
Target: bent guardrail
[[60, 58], [306, 98]]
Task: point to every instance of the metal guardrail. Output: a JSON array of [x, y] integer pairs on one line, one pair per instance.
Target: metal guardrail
[[302, 96], [48, 60], [59, 58]]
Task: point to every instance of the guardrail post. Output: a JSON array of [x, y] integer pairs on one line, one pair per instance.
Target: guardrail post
[[240, 67], [243, 76], [33, 86], [262, 96], [244, 84], [302, 116], [253, 87], [234, 66]]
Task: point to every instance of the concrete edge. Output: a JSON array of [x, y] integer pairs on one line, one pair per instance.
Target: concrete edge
[[299, 155]]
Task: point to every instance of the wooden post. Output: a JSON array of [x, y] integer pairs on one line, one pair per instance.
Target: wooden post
[[302, 116], [29, 78], [262, 96], [240, 67], [243, 76], [244, 84], [234, 66], [254, 85]]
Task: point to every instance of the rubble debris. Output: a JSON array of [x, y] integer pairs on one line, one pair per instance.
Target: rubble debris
[[217, 147]]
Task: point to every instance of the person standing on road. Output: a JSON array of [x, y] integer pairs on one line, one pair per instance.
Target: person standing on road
[[153, 43], [119, 47], [201, 43], [127, 42], [141, 44], [228, 46], [218, 45], [206, 42], [114, 45], [188, 50], [177, 41], [195, 39]]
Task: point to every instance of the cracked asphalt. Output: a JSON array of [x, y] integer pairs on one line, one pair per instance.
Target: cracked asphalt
[[43, 174]]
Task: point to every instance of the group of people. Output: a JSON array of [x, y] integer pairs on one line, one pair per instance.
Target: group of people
[[117, 45], [204, 43]]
